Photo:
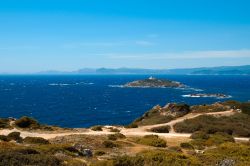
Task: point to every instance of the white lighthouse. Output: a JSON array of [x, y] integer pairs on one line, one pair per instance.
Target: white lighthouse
[[151, 78]]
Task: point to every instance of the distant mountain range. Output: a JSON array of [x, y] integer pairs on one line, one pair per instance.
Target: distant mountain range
[[223, 70]]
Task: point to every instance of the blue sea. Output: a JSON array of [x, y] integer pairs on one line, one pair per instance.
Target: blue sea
[[83, 101]]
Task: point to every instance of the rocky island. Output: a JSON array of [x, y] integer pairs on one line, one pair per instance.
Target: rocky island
[[152, 82]]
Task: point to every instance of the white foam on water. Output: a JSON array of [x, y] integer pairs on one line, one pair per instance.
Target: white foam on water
[[63, 84]]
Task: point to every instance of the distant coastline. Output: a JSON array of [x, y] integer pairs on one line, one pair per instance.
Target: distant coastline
[[221, 70]]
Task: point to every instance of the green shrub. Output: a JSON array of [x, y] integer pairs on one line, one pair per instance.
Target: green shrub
[[115, 130], [4, 138], [27, 151], [109, 144], [99, 153], [15, 136], [199, 135], [175, 148], [52, 149], [35, 140], [96, 128], [208, 108], [4, 123], [237, 125], [152, 140], [27, 122], [116, 136], [20, 159], [120, 135], [156, 158], [236, 152], [186, 145], [112, 137], [198, 144], [213, 140], [161, 129], [219, 138], [128, 161], [132, 125]]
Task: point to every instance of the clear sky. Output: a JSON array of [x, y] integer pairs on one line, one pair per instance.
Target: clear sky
[[38, 35]]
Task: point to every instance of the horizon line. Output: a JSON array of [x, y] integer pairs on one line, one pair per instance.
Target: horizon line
[[72, 72]]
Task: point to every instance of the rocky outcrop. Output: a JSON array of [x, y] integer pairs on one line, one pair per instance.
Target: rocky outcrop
[[176, 110], [83, 151], [158, 114]]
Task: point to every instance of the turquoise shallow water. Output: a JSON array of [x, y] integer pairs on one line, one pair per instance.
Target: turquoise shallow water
[[82, 101]]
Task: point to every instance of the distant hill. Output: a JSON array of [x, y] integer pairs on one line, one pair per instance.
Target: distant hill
[[223, 70]]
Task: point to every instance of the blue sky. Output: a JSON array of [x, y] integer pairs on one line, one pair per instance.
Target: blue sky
[[72, 34]]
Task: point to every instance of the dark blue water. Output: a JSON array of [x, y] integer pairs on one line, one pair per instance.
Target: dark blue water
[[82, 101]]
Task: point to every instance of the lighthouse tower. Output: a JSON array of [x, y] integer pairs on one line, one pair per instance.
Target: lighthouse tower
[[151, 78]]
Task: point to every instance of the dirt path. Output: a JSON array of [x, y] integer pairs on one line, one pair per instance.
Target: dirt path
[[140, 131], [188, 116]]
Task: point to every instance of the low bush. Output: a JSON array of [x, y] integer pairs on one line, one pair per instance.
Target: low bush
[[27, 122], [132, 125], [12, 154], [4, 123], [161, 129], [53, 149], [237, 153], [15, 136], [199, 135], [208, 108], [22, 158], [175, 148], [116, 136], [213, 140], [35, 140], [152, 140], [120, 135], [219, 138], [96, 128], [198, 144], [4, 138], [115, 130], [26, 151], [154, 158], [186, 145], [237, 125], [109, 144], [112, 137]]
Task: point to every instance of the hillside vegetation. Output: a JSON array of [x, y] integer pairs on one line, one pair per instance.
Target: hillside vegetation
[[237, 125], [212, 141]]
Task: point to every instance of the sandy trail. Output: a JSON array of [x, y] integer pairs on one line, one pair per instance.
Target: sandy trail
[[140, 131], [185, 117]]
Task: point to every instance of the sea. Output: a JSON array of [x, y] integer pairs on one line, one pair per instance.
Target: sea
[[87, 100]]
